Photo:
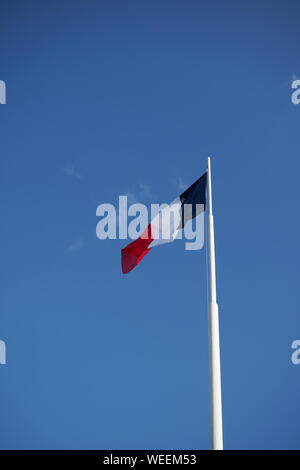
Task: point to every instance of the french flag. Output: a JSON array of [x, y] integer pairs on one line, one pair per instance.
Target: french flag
[[165, 226]]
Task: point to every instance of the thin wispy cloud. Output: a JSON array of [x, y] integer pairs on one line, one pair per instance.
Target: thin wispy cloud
[[131, 198], [145, 192], [181, 186], [142, 194], [75, 246], [70, 172], [292, 79]]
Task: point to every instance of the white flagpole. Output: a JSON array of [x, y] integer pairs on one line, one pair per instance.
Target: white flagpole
[[216, 431]]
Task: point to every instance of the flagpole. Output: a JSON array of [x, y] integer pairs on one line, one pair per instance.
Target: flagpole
[[216, 431]]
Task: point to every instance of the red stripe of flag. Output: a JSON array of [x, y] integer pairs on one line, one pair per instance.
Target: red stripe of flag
[[133, 253]]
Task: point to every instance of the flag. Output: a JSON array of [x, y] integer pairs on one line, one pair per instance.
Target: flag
[[165, 226]]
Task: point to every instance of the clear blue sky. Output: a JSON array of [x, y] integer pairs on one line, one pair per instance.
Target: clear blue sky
[[112, 97]]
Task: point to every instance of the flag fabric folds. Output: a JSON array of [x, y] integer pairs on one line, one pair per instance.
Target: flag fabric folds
[[165, 226]]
